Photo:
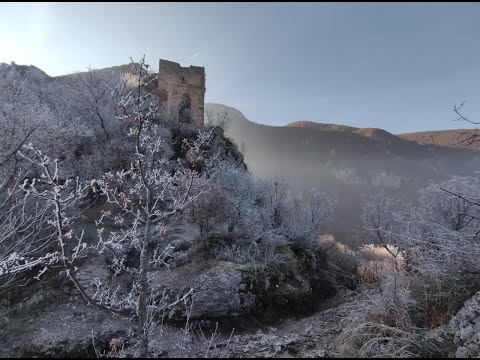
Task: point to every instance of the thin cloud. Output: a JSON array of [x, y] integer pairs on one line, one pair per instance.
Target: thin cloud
[[191, 57]]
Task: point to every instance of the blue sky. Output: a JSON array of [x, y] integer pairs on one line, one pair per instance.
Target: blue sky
[[397, 66]]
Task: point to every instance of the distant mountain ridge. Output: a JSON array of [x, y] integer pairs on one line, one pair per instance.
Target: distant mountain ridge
[[321, 126], [376, 133], [461, 138]]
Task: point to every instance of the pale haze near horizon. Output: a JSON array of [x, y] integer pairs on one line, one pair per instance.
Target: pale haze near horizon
[[400, 67]]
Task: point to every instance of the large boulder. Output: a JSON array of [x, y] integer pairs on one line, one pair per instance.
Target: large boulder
[[264, 291], [223, 291]]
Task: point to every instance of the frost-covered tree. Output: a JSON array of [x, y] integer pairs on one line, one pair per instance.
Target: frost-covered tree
[[221, 119], [93, 97], [37, 232], [22, 116], [447, 227], [307, 217], [383, 222], [152, 189], [25, 232], [26, 229]]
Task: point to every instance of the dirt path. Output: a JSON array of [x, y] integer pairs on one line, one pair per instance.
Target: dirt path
[[312, 336]]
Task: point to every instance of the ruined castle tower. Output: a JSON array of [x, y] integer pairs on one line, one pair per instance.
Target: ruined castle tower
[[182, 92]]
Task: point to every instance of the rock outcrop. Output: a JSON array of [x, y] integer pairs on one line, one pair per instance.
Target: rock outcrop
[[226, 290], [464, 329]]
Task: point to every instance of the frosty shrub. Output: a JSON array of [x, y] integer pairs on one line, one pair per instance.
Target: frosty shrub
[[424, 263]]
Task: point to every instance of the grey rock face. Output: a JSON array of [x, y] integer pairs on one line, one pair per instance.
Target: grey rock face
[[231, 290], [464, 327], [220, 292]]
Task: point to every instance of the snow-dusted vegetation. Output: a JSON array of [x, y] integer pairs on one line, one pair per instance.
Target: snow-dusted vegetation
[[125, 233]]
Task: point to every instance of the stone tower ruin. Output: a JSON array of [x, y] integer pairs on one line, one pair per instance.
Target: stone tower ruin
[[182, 92]]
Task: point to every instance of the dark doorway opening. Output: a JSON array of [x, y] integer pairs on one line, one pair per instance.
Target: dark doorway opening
[[185, 110]]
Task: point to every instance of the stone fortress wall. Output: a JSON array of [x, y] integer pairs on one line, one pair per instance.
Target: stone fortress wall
[[182, 91]]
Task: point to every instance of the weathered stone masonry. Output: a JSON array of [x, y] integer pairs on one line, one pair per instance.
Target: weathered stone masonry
[[182, 91]]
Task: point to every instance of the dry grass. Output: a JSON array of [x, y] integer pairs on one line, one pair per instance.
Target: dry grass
[[380, 322], [376, 262]]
